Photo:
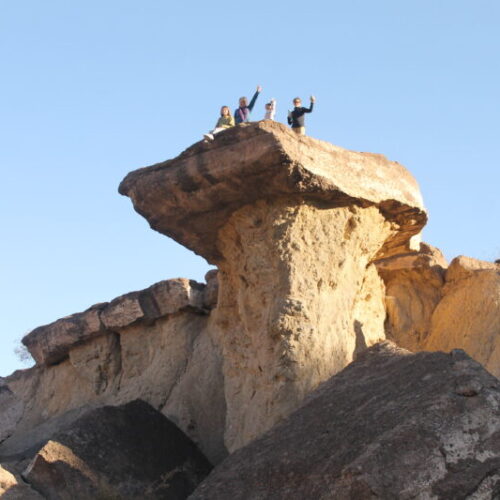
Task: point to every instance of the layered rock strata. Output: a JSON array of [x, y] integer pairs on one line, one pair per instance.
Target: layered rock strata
[[293, 225], [52, 343], [391, 425], [170, 361]]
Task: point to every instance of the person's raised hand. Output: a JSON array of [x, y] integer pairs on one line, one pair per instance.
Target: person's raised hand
[[259, 88], [313, 99]]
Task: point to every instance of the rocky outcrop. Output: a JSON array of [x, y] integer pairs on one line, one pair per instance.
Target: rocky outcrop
[[319, 257], [11, 410], [52, 343], [130, 451], [468, 315], [431, 306], [391, 425], [284, 327], [293, 225], [413, 288], [170, 362]]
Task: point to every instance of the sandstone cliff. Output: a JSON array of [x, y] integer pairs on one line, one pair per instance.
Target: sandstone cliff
[[151, 345], [431, 306]]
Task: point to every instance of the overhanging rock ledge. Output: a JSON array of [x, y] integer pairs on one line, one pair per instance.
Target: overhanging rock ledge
[[189, 198]]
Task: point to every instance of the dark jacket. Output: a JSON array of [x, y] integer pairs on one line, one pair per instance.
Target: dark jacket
[[297, 116]]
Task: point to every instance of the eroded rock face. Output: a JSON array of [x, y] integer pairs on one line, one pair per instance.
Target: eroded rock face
[[468, 315], [51, 343], [431, 306], [12, 410], [414, 286], [293, 224], [130, 451], [289, 283], [391, 425], [172, 363]]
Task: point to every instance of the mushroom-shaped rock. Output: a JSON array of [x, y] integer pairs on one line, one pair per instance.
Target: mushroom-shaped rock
[[293, 225], [192, 196]]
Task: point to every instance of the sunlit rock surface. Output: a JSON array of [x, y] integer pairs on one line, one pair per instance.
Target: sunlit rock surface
[[391, 425]]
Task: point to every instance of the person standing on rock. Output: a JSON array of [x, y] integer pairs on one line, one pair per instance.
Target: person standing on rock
[[242, 113], [270, 109], [225, 121], [296, 117]]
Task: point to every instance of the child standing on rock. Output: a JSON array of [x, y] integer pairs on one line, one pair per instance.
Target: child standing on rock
[[270, 109], [225, 121], [296, 117]]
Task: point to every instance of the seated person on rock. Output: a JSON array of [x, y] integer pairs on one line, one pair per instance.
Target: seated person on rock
[[225, 121]]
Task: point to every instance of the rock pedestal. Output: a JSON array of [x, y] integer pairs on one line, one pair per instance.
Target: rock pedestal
[[293, 225], [286, 312]]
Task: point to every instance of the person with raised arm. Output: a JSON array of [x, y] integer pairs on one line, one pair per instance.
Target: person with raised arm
[[296, 117], [242, 113], [270, 109]]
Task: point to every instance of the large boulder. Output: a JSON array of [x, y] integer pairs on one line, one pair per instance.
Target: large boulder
[[130, 451], [166, 357], [293, 225], [13, 488], [172, 364], [192, 196], [392, 425]]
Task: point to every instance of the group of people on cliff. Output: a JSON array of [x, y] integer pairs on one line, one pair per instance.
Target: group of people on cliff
[[295, 118]]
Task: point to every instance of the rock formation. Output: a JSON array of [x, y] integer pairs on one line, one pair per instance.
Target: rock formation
[[413, 288], [318, 257], [468, 315], [431, 306], [13, 488], [129, 451], [160, 353], [391, 425], [293, 225]]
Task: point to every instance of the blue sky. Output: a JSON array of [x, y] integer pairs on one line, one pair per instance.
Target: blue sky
[[92, 90]]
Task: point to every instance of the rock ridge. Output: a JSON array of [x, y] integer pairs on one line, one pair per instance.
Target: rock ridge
[[50, 344]]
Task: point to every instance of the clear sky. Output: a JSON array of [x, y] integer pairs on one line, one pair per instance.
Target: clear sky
[[91, 90]]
